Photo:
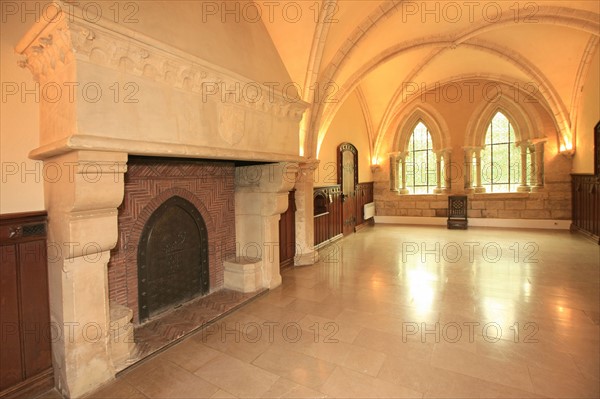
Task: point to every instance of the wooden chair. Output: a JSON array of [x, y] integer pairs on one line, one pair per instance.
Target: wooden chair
[[457, 212]]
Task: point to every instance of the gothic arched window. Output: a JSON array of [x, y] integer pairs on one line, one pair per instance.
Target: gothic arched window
[[501, 159], [421, 164]]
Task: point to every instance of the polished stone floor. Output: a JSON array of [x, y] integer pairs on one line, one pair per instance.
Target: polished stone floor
[[403, 311]]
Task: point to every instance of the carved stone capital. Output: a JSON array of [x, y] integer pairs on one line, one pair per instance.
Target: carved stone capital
[[47, 48]]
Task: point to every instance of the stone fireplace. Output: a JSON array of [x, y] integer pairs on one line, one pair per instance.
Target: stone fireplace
[[101, 202]]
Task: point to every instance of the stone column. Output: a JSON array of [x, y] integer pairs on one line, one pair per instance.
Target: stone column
[[468, 169], [532, 166], [447, 157], [478, 186], [261, 196], [438, 173], [305, 226], [539, 164], [524, 187], [401, 158], [82, 212], [393, 172]]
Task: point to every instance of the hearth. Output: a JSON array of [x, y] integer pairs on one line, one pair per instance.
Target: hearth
[[176, 227], [172, 258]]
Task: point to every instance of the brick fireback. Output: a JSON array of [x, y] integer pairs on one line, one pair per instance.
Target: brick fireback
[[149, 182]]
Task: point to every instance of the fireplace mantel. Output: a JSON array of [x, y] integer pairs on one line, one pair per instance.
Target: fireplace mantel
[[106, 86]]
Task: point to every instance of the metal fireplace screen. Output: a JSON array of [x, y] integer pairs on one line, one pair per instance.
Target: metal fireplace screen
[[172, 258]]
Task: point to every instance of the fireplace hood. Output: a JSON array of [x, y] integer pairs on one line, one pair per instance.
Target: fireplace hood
[[108, 87]]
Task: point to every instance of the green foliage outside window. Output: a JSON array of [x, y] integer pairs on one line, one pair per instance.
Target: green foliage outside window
[[421, 177]]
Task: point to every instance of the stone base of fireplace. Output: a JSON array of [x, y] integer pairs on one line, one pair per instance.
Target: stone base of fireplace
[[243, 274], [121, 334], [174, 325]]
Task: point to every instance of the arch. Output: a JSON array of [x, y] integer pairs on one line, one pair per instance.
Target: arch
[[526, 126], [172, 257], [326, 112], [431, 118], [322, 114]]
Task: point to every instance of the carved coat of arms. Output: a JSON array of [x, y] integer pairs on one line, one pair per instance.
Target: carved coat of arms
[[232, 121]]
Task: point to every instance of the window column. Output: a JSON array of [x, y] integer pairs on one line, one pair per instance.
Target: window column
[[532, 166], [524, 187], [401, 157], [468, 168], [393, 172], [446, 156], [478, 186]]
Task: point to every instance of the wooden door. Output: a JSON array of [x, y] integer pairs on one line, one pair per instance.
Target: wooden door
[[348, 180]]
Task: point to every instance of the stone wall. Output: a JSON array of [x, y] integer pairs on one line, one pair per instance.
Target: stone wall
[[553, 202]]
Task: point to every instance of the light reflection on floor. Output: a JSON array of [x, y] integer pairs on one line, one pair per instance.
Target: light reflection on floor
[[372, 319]]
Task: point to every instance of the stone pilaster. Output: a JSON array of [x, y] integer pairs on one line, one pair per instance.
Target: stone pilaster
[[305, 226], [538, 164], [82, 206], [261, 196]]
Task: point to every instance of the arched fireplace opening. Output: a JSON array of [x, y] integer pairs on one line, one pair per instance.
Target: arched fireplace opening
[[173, 265]]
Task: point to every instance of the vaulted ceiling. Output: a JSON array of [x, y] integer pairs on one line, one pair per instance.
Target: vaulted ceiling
[[384, 51]]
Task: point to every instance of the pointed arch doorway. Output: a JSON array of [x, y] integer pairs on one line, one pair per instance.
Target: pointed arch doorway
[[348, 180]]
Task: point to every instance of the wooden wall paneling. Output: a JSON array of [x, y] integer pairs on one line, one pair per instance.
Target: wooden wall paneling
[[11, 366], [25, 358], [586, 205], [35, 307]]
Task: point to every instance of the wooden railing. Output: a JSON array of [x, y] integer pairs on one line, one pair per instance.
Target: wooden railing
[[328, 210], [586, 205], [328, 213]]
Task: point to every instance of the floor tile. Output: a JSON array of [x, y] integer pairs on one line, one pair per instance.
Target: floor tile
[[302, 369], [351, 384], [168, 380], [237, 377]]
